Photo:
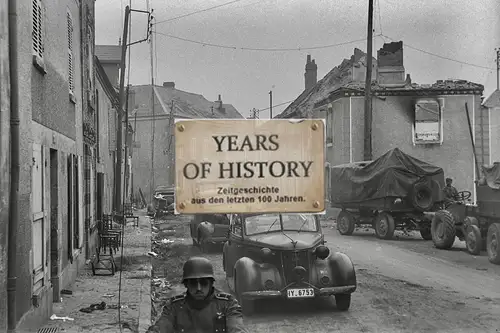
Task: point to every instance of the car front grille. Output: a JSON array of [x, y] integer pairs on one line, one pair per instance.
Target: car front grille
[[291, 259]]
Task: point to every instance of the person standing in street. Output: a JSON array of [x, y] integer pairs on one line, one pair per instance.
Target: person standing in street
[[202, 308]]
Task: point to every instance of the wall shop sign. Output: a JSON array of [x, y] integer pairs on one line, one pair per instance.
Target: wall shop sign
[[249, 166]]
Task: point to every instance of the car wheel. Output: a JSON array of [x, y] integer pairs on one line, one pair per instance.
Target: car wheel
[[343, 301]]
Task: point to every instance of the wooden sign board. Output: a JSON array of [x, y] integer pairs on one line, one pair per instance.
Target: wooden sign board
[[249, 166]]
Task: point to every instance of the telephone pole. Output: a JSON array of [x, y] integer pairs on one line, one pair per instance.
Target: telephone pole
[[498, 67], [368, 85], [117, 197], [270, 104], [119, 127]]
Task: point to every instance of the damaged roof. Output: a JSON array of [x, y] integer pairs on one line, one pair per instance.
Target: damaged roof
[[332, 81], [340, 79], [185, 104]]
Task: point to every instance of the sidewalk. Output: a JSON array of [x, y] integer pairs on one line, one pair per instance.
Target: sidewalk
[[135, 290]]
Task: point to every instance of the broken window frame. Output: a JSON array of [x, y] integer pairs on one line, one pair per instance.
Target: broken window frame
[[417, 140]]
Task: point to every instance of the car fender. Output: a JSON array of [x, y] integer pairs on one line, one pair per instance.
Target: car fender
[[251, 275], [341, 269]]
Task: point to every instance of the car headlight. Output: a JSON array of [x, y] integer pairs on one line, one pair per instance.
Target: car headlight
[[322, 252]]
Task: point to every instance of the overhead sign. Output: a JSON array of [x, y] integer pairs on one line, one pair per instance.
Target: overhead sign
[[249, 166]]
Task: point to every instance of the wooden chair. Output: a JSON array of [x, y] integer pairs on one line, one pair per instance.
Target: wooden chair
[[128, 213]]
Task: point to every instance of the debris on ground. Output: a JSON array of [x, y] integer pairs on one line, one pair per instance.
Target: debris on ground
[[55, 317], [94, 307], [171, 251]]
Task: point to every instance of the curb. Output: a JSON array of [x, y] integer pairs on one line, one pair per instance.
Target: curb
[[145, 301]]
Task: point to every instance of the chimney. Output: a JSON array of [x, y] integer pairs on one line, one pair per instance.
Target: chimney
[[170, 85], [391, 71], [219, 105], [311, 74]]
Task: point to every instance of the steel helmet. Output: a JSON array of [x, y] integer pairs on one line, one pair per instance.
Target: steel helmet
[[197, 268]]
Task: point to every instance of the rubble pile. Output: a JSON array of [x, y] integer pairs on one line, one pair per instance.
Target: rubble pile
[[169, 250]]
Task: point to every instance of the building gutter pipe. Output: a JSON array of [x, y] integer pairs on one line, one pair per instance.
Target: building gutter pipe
[[14, 169]]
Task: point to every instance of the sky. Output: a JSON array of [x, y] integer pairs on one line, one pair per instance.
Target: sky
[[444, 39]]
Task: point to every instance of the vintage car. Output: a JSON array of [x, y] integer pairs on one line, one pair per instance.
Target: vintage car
[[163, 204], [208, 230], [284, 256]]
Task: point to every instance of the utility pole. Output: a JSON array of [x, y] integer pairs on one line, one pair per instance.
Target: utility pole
[[498, 67], [270, 104], [368, 85], [119, 129], [117, 198]]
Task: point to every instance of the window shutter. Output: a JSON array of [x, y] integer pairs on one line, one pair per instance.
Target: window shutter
[[37, 28], [71, 79]]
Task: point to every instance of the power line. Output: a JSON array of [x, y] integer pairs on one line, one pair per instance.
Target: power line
[[198, 11], [440, 56], [260, 49], [288, 102]]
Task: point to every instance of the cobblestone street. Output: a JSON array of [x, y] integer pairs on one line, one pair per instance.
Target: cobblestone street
[[135, 290]]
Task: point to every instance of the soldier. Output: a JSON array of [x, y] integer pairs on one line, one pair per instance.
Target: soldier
[[202, 308], [450, 192]]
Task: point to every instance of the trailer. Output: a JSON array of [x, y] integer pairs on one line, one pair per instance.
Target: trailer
[[394, 192], [476, 223]]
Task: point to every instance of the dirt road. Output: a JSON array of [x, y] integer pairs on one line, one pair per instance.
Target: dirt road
[[403, 286]]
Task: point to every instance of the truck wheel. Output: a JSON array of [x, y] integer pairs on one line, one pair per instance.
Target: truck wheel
[[493, 243], [384, 226], [346, 223], [443, 229], [343, 301], [425, 232], [473, 240], [421, 197]]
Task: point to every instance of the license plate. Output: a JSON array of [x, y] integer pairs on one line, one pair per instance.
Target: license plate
[[300, 293]]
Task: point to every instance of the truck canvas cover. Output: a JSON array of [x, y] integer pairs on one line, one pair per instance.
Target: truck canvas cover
[[491, 175], [391, 175]]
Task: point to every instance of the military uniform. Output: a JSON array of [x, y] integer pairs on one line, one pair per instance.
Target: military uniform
[[450, 193], [219, 312]]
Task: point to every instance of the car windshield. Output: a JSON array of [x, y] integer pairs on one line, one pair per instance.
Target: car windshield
[[256, 224]]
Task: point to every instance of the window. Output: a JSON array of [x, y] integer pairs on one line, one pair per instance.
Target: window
[[71, 69], [427, 127], [236, 227], [264, 223], [37, 28]]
